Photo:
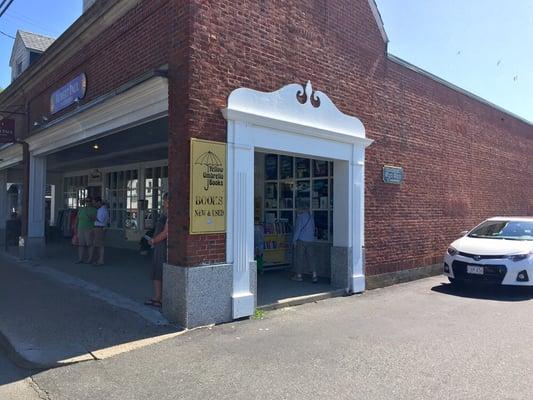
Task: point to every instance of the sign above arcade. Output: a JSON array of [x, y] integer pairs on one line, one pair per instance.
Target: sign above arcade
[[68, 94]]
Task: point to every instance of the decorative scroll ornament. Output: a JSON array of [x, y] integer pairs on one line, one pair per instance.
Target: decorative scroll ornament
[[308, 93], [297, 105]]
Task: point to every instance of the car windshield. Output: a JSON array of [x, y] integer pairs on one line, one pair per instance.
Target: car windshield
[[510, 230]]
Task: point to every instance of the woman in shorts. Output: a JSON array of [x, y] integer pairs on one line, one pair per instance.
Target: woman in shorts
[[159, 243]]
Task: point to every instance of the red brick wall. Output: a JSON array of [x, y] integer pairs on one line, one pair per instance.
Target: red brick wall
[[463, 160], [265, 45]]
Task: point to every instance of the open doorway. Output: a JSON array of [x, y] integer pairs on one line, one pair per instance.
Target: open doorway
[[293, 201]]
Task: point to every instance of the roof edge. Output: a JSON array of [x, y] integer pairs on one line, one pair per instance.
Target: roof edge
[[36, 34], [379, 20], [456, 88], [17, 39]]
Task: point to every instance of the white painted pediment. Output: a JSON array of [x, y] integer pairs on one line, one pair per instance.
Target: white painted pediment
[[292, 105]]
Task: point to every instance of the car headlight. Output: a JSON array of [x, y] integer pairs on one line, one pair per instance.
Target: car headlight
[[519, 257], [452, 251]]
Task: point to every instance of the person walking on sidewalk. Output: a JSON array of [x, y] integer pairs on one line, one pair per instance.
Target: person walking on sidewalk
[[84, 230], [100, 224], [159, 243], [303, 238]]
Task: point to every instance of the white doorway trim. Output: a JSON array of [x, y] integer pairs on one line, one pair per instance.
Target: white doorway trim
[[300, 121]]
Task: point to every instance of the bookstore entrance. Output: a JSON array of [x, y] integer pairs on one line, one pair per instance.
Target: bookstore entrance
[[293, 226], [295, 170]]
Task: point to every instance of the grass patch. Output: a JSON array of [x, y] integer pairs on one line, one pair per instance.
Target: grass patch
[[258, 314]]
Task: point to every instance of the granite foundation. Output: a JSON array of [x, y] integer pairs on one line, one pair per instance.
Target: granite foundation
[[197, 296], [392, 278], [341, 267]]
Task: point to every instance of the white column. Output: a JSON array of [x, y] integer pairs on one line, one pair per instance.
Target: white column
[[36, 213], [358, 219], [240, 219], [3, 204]]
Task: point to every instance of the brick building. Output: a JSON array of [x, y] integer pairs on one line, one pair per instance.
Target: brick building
[[111, 107]]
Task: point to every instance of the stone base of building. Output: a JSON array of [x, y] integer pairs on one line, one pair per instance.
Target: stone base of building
[[197, 296], [341, 268], [392, 278]]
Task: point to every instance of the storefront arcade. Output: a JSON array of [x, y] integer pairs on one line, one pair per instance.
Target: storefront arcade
[[317, 154]]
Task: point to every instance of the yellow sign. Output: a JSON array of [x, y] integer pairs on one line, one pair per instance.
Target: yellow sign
[[208, 187]]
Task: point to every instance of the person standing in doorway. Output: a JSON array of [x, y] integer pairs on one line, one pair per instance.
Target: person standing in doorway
[[303, 244], [84, 229], [100, 224], [159, 244]]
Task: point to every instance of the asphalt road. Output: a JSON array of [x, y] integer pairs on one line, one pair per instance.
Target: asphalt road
[[419, 340], [15, 383]]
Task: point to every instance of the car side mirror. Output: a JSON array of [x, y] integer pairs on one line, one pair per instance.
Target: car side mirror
[[464, 233]]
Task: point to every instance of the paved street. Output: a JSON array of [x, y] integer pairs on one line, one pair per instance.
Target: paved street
[[419, 340]]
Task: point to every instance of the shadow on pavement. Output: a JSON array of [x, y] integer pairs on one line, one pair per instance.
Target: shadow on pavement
[[486, 292], [47, 320]]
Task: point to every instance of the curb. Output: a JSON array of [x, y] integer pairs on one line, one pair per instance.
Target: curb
[[297, 301], [17, 359]]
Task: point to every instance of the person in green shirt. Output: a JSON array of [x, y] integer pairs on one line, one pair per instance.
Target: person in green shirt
[[84, 225]]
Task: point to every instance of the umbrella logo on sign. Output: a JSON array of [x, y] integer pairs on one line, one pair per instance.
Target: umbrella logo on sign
[[214, 169]]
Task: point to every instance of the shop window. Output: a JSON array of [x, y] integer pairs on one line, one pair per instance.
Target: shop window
[[74, 191], [155, 186], [295, 182], [122, 195]]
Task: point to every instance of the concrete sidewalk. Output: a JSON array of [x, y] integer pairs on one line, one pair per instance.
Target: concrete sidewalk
[[48, 318]]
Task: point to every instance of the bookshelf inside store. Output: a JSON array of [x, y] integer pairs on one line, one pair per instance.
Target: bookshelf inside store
[[291, 183]]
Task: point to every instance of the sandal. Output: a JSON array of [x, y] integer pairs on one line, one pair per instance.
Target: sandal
[[153, 303]]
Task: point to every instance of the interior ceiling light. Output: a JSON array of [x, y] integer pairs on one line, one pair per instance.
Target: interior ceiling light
[[95, 146]]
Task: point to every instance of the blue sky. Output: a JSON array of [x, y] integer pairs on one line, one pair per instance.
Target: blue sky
[[482, 46], [47, 17]]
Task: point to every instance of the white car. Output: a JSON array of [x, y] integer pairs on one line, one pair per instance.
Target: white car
[[498, 251]]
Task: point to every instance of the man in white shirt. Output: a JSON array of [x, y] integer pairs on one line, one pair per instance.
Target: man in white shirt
[[303, 238], [100, 224]]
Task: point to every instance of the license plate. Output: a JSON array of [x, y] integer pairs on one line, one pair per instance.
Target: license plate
[[474, 269]]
